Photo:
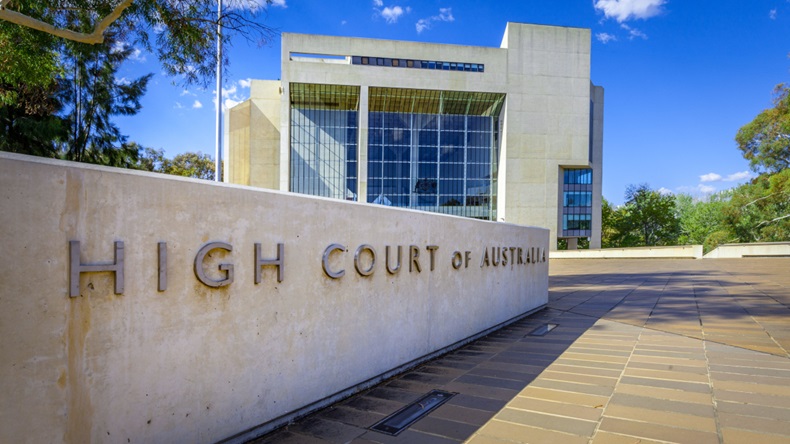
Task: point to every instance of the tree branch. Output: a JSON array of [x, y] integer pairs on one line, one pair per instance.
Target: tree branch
[[96, 37]]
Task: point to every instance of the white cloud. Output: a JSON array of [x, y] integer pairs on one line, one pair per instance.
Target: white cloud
[[343, 22], [445, 15], [122, 81], [253, 5], [178, 105], [735, 177], [664, 191], [197, 105], [710, 177], [245, 83], [378, 3], [772, 14], [136, 54], [623, 10], [633, 32], [605, 38], [706, 189], [186, 92], [231, 96], [392, 13]]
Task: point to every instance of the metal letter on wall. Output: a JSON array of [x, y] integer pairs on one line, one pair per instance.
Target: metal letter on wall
[[76, 268], [357, 259], [227, 268], [325, 261], [162, 281], [278, 262]]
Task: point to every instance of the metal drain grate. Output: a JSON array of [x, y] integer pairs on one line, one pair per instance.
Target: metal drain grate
[[543, 329], [403, 418]]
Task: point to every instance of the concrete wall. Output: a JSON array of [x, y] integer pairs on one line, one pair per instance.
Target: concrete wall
[[677, 252], [547, 122], [750, 250], [198, 364]]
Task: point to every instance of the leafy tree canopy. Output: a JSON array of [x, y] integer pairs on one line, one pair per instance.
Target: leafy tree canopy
[[647, 218], [765, 141], [182, 34], [188, 164]]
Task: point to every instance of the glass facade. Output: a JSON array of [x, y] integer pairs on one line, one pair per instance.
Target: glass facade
[[324, 140], [434, 150], [577, 203]]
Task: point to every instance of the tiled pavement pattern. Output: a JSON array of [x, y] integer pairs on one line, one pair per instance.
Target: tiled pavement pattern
[[647, 351]]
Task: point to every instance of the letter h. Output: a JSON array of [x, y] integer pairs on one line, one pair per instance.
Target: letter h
[[76, 268]]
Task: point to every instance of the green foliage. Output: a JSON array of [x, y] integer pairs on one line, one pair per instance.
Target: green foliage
[[93, 95], [188, 164], [700, 218], [58, 97], [760, 211], [28, 58], [765, 141], [647, 218]]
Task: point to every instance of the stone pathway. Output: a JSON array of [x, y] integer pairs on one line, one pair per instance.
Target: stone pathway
[[646, 351]]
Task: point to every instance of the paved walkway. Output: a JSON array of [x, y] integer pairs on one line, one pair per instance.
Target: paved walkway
[[646, 351]]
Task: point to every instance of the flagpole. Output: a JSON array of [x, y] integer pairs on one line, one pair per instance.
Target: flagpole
[[218, 149]]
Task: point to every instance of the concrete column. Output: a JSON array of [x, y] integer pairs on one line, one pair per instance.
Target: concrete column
[[573, 243], [362, 146]]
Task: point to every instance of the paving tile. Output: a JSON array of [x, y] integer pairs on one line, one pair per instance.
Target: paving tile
[[566, 397], [370, 404], [482, 391], [392, 394], [579, 370], [752, 388], [756, 410], [445, 427], [730, 420], [676, 385], [407, 437], [664, 393], [465, 415], [476, 402], [736, 436], [563, 424], [556, 408], [517, 433], [579, 378], [483, 439], [504, 374], [573, 387], [613, 438], [670, 375], [331, 431], [491, 382], [352, 416], [288, 437], [667, 418], [657, 432], [654, 403]]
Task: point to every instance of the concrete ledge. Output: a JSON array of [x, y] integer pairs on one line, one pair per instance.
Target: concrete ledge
[[671, 252], [762, 249]]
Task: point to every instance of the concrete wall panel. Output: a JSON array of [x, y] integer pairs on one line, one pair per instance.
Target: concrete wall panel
[[200, 364]]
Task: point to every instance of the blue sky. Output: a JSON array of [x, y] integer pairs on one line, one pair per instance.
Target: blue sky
[[680, 76]]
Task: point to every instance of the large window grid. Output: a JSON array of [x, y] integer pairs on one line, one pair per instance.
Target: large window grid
[[429, 160], [577, 202], [324, 140], [419, 64]]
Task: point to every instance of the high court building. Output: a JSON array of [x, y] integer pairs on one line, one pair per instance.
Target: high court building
[[510, 134]]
